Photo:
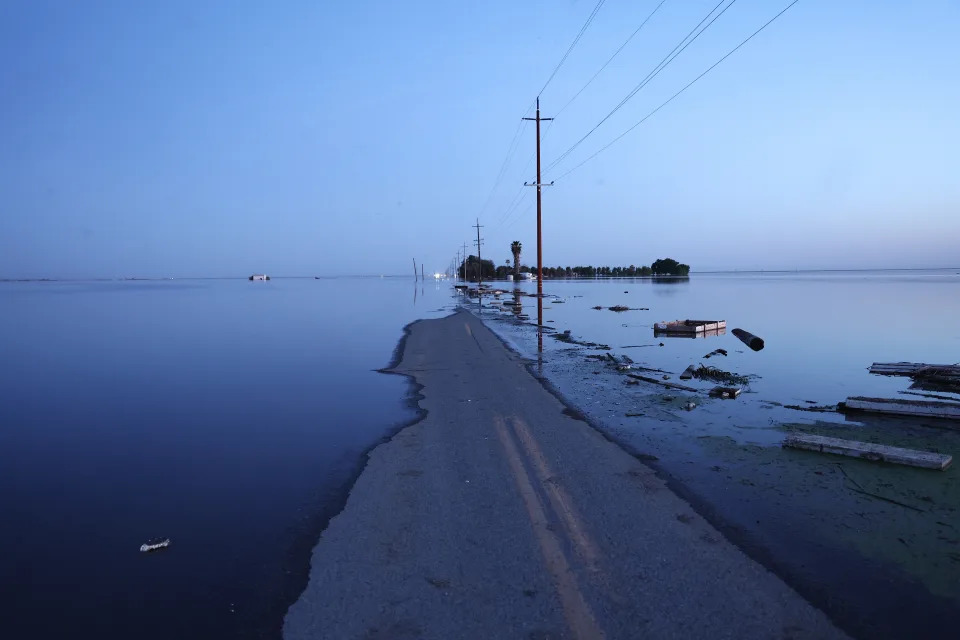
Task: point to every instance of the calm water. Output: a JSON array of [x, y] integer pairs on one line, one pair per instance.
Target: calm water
[[883, 569], [224, 414]]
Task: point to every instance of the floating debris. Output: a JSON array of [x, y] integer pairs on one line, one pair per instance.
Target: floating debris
[[936, 377], [730, 393], [690, 327], [869, 451], [827, 408], [671, 385], [704, 372], [566, 337], [148, 547], [687, 373], [898, 406], [716, 352], [749, 339]]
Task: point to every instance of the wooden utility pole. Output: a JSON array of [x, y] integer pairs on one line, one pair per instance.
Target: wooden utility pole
[[479, 260], [414, 269], [538, 184], [464, 261]]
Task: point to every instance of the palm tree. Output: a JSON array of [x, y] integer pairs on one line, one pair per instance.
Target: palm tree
[[515, 249]]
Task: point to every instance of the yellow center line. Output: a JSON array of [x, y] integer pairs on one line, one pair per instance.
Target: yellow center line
[[559, 498], [579, 617]]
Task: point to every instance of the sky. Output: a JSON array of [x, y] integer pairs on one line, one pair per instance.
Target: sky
[[176, 139]]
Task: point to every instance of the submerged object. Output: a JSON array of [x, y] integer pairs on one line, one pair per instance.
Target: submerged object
[[147, 547], [749, 339]]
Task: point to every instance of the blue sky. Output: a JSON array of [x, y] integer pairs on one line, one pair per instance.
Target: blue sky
[[300, 138]]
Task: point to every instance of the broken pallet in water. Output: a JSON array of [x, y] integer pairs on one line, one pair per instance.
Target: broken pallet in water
[[869, 451], [914, 368], [689, 327], [897, 406]]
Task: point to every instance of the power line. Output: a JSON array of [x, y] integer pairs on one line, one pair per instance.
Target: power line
[[615, 54], [670, 57], [687, 86], [573, 44]]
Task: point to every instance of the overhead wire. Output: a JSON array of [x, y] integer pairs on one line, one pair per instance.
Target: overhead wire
[[583, 29], [610, 59], [515, 141], [674, 96], [687, 40]]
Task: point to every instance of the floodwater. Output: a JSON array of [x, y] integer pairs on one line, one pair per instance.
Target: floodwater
[[227, 415], [877, 546]]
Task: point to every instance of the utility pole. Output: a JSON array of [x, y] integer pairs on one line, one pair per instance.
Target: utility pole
[[479, 261], [538, 184], [464, 261]]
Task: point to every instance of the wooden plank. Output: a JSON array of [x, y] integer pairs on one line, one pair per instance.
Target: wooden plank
[[687, 373], [869, 451], [663, 383], [898, 406]]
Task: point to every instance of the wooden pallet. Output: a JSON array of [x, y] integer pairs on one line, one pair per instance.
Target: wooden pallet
[[869, 451], [689, 327]]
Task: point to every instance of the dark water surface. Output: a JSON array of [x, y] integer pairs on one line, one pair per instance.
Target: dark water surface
[[227, 415]]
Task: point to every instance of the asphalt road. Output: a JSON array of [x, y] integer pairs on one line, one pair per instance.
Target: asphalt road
[[501, 516]]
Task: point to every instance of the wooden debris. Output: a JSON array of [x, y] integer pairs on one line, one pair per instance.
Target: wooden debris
[[689, 327], [672, 385], [687, 373], [716, 352], [913, 368], [147, 547], [930, 395], [869, 451], [749, 339], [704, 372], [815, 408], [898, 406], [726, 392]]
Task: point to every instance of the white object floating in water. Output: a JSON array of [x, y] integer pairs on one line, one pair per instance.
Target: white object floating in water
[[163, 544]]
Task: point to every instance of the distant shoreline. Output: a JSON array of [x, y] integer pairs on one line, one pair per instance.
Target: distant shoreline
[[717, 272]]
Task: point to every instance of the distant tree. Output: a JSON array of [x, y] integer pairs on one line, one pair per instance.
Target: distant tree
[[515, 248], [473, 269], [669, 267]]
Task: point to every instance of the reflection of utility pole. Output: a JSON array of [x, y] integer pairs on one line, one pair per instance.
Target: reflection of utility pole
[[479, 260], [538, 184]]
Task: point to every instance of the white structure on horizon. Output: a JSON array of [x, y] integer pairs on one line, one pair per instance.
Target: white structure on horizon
[[260, 276]]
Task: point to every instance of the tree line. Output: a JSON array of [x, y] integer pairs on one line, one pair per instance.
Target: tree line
[[470, 269]]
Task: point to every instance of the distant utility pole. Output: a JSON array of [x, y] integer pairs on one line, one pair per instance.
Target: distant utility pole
[[414, 269], [464, 261], [479, 261], [538, 184]]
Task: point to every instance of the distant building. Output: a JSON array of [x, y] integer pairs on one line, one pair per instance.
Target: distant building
[[260, 276]]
